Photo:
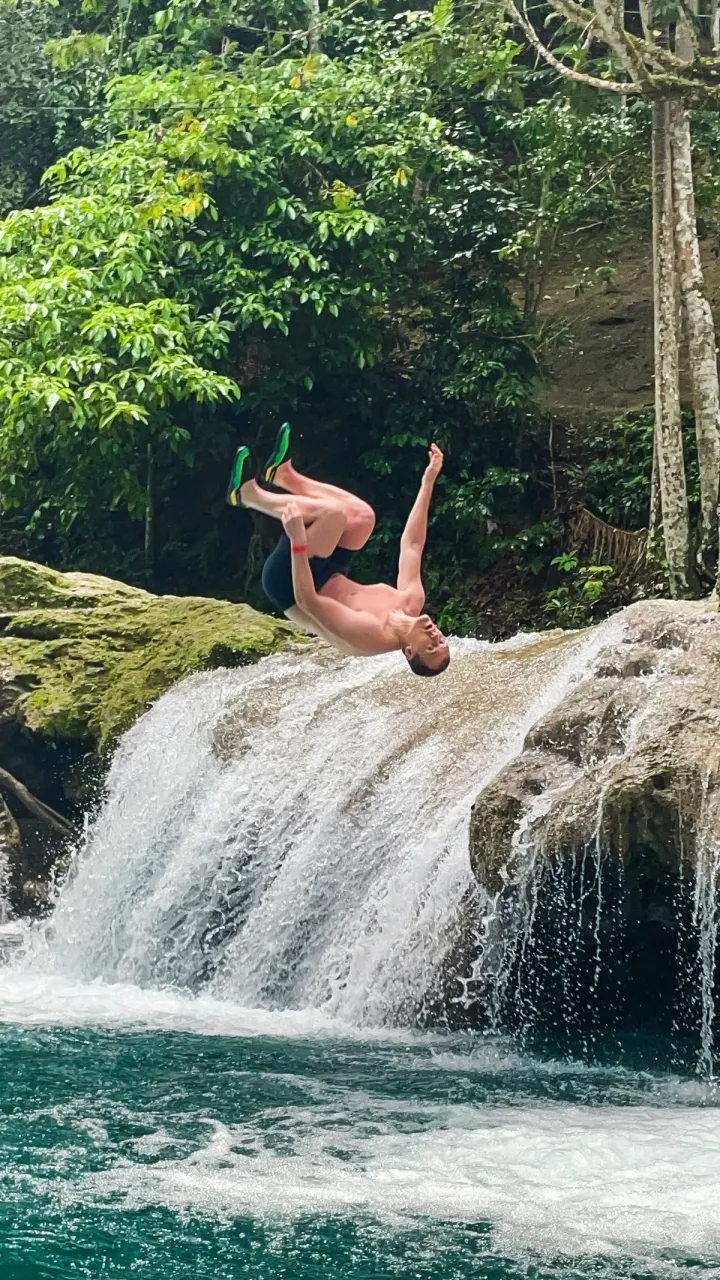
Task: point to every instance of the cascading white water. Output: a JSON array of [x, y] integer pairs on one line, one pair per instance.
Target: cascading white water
[[556, 936], [295, 834]]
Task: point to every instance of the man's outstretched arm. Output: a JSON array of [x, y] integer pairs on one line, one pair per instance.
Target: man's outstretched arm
[[412, 542]]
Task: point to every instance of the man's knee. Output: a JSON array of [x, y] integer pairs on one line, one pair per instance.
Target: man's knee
[[360, 524], [361, 516], [326, 530]]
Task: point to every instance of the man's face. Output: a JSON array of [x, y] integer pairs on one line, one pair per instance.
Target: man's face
[[428, 642]]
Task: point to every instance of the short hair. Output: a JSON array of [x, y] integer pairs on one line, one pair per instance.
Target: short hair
[[421, 668]]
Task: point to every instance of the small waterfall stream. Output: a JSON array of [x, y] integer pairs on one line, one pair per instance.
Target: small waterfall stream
[[294, 836], [559, 935], [705, 922]]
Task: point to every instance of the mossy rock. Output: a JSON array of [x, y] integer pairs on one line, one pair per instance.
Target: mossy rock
[[88, 654]]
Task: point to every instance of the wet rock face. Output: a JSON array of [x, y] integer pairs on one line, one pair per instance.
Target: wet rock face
[[631, 756], [81, 657], [612, 810]]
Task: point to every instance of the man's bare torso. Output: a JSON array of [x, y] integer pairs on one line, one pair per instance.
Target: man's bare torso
[[375, 601], [377, 598], [356, 617]]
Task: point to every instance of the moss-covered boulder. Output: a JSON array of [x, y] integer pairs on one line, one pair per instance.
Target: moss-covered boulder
[[90, 654], [82, 656]]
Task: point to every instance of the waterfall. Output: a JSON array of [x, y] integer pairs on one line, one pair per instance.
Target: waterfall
[[294, 834]]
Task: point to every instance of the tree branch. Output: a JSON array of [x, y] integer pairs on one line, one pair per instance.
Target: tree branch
[[645, 48], [617, 38], [616, 86], [697, 83], [574, 12], [35, 806]]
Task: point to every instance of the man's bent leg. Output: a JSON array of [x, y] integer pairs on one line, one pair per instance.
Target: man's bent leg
[[325, 522], [359, 515]]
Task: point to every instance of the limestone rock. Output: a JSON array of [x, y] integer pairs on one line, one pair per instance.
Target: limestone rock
[[598, 847], [498, 810], [631, 757], [82, 656]]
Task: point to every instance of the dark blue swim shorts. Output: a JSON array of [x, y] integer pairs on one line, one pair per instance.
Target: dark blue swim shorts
[[277, 572]]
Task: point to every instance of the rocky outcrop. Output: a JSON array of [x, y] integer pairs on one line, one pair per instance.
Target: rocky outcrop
[[630, 758], [81, 657], [611, 814]]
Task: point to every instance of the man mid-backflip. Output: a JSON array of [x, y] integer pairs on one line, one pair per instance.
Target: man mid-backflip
[[306, 576]]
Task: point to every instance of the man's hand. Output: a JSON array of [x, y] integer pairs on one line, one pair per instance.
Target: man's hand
[[434, 466], [293, 524]]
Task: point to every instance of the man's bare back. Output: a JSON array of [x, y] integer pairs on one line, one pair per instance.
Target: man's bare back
[[306, 575]]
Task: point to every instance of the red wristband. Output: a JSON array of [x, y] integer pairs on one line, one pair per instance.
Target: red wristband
[[297, 550]]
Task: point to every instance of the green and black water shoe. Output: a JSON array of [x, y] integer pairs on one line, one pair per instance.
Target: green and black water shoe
[[236, 475], [278, 455]]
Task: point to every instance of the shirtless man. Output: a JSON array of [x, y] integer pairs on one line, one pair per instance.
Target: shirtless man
[[306, 576]]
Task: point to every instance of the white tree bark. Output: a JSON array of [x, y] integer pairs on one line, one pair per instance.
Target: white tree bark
[[313, 9], [610, 21], [700, 330], [668, 434]]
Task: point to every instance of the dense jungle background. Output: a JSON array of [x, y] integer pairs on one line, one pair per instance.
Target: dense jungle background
[[386, 226]]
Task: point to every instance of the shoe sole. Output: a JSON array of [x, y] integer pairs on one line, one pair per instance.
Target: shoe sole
[[278, 455], [233, 493]]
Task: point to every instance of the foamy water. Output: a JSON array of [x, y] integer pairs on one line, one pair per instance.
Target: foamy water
[[577, 1180]]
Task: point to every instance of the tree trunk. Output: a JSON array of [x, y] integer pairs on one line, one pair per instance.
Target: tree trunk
[[313, 8], [700, 332], [150, 520], [668, 434], [652, 549]]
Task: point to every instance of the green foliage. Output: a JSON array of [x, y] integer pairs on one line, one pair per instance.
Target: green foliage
[[36, 105], [456, 617], [286, 229], [613, 465], [532, 546], [573, 604], [233, 231], [93, 357], [566, 562], [575, 165]]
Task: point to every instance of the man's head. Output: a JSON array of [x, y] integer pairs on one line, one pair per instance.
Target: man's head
[[426, 648]]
